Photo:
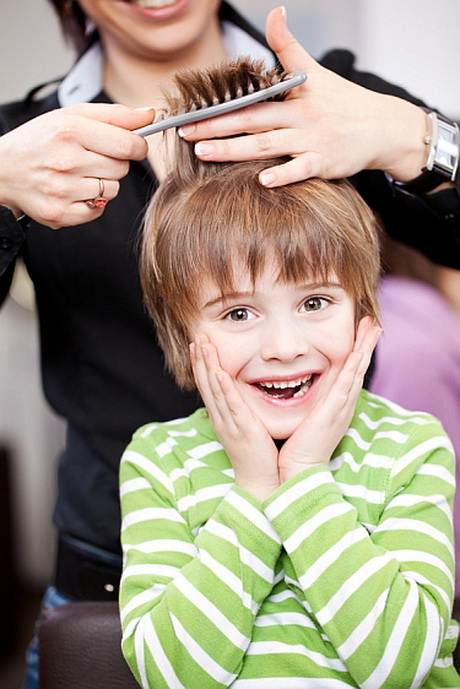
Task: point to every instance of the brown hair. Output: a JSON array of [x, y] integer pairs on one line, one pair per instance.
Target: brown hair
[[72, 20], [205, 217]]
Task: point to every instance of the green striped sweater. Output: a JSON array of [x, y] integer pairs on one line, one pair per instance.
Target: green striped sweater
[[343, 577]]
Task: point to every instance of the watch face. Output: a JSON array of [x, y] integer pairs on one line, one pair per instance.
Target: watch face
[[446, 156]]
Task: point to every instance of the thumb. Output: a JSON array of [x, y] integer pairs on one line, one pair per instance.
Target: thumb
[[289, 51]]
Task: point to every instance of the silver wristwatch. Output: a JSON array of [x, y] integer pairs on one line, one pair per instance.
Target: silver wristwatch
[[443, 156]]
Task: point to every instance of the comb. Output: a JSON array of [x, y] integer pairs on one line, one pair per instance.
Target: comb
[[206, 112]]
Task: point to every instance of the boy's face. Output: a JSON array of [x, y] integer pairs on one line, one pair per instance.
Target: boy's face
[[283, 344]]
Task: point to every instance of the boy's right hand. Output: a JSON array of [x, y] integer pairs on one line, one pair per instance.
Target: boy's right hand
[[249, 447], [51, 165]]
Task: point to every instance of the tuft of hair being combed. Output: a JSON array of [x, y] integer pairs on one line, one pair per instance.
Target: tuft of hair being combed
[[216, 85]]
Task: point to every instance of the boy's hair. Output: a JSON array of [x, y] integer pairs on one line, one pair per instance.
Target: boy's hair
[[205, 217]]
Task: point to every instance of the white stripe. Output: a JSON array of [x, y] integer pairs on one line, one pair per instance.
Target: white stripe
[[284, 595], [296, 491], [380, 403], [218, 490], [165, 447], [204, 450], [248, 558], [148, 430], [151, 513], [355, 490], [433, 639], [139, 638], [214, 615], [199, 655], [364, 628], [399, 524], [408, 500], [150, 570], [227, 577], [351, 586], [289, 683], [321, 518], [438, 472], [397, 636], [407, 555], [405, 414], [138, 460], [422, 448], [133, 485], [420, 579], [269, 648], [370, 459], [160, 658], [281, 619], [185, 471], [330, 556], [162, 545], [252, 514], [147, 596]]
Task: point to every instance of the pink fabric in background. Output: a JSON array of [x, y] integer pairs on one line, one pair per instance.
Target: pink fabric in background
[[418, 361]]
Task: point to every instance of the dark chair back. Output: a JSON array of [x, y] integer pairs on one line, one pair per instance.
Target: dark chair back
[[80, 646]]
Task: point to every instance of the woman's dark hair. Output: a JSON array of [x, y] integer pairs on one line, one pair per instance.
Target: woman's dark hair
[[72, 20]]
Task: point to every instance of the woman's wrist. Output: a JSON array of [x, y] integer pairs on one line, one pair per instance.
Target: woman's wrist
[[406, 151]]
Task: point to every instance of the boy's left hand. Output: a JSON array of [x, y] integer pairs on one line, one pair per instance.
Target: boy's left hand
[[315, 440]]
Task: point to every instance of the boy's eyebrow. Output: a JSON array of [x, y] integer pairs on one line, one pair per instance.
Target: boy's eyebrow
[[234, 296]]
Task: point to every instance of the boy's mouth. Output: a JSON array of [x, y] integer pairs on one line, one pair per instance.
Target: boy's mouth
[[286, 389]]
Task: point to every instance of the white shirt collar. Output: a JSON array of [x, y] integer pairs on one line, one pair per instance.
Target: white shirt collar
[[84, 81]]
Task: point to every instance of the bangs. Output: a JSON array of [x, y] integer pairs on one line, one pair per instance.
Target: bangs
[[226, 224]]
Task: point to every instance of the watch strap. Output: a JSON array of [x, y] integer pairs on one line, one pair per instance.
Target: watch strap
[[443, 156]]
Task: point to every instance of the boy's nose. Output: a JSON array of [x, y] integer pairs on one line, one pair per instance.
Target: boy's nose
[[283, 344]]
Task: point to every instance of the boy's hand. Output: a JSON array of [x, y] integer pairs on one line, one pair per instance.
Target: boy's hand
[[251, 451], [315, 440]]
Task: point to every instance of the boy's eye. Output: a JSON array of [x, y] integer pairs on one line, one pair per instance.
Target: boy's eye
[[239, 315], [314, 303]]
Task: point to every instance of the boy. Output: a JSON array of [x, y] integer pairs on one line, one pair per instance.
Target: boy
[[297, 531]]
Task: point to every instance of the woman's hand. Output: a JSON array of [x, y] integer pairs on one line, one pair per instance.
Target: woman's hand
[[251, 450], [316, 438], [331, 127], [51, 165]]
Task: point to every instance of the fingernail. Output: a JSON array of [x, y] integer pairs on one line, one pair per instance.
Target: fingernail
[[283, 12], [147, 107], [267, 178], [204, 149], [186, 130]]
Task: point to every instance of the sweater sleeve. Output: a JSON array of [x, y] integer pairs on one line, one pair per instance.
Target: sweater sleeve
[[382, 595], [188, 600]]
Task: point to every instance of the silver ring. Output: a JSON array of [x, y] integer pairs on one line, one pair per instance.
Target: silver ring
[[99, 201]]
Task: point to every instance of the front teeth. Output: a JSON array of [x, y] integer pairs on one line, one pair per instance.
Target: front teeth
[[281, 385]]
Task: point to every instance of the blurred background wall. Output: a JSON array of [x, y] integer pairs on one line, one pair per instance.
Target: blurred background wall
[[410, 42]]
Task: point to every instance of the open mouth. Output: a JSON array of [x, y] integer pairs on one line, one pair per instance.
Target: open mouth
[[287, 389]]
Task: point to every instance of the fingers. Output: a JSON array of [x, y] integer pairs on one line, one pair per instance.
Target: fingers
[[100, 137], [289, 51]]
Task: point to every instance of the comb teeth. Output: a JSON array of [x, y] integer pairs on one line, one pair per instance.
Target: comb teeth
[[214, 86]]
